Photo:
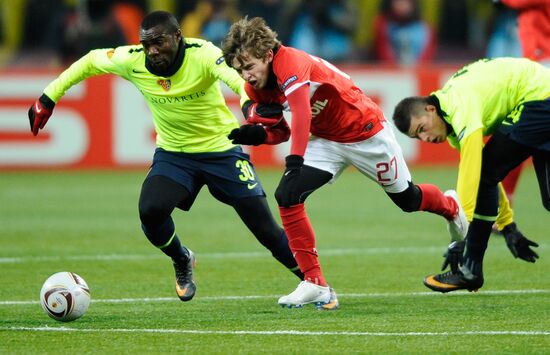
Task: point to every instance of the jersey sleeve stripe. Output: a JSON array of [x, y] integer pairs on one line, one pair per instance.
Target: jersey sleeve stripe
[[295, 87]]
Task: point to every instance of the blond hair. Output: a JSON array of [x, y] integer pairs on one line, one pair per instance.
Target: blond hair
[[252, 36]]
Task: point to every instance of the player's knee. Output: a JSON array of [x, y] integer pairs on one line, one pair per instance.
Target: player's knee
[[408, 200], [286, 198], [408, 206], [152, 213], [295, 190]]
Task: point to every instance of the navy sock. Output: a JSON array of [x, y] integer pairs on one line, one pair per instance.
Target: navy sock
[[476, 245], [283, 254], [164, 237], [176, 251]]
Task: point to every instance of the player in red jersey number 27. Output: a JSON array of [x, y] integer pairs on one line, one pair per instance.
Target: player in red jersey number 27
[[334, 125]]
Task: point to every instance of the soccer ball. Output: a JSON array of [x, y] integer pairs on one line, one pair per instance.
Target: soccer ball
[[65, 296]]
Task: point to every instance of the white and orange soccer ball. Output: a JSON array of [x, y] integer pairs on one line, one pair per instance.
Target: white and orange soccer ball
[[65, 296]]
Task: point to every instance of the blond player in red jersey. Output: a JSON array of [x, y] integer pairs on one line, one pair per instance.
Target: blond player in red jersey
[[334, 125]]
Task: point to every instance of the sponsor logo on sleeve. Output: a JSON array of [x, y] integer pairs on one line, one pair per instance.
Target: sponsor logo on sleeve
[[288, 82], [461, 134], [220, 60]]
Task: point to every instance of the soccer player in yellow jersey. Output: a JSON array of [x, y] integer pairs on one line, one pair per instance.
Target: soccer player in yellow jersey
[[509, 100], [179, 78]]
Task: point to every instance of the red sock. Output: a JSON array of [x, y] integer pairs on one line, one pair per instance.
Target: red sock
[[301, 241], [434, 201]]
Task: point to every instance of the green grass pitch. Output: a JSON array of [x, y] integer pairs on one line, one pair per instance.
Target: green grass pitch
[[374, 255]]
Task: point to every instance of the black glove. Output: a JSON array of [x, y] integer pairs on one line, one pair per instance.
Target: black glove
[[286, 193], [40, 112], [254, 110], [519, 245], [453, 256], [248, 134]]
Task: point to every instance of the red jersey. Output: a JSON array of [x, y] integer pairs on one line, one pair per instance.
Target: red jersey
[[337, 110], [533, 27]]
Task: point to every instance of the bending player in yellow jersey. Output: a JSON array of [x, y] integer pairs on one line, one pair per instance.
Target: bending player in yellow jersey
[[507, 99]]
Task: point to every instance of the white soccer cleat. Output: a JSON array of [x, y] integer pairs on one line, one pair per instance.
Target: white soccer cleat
[[458, 227], [306, 293]]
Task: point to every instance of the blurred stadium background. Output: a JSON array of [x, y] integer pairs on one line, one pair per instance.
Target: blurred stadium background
[[68, 197], [99, 125]]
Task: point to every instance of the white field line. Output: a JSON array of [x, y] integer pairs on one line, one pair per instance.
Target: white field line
[[278, 332], [228, 255], [225, 255], [340, 296]]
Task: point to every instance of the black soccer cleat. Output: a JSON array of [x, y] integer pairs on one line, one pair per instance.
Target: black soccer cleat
[[449, 281], [185, 284]]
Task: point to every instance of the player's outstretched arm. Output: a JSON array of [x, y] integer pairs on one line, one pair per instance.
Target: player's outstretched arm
[[40, 112], [96, 62]]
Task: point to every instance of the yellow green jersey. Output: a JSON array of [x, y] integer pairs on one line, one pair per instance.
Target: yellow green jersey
[[189, 110], [479, 98]]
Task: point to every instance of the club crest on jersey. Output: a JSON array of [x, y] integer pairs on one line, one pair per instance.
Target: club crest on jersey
[[165, 83]]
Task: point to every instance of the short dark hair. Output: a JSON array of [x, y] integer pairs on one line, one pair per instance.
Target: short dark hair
[[406, 108], [163, 18]]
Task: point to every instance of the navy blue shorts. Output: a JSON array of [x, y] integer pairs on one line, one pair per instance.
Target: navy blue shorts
[[533, 127], [229, 175]]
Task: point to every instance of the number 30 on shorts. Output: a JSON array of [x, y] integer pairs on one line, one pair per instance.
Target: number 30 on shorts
[[247, 173]]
